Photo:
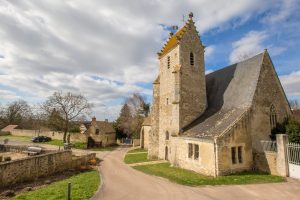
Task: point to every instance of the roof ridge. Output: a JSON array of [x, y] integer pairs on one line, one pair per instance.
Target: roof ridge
[[174, 39], [226, 67]]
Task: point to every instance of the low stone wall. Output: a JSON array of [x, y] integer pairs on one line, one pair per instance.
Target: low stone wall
[[136, 142], [266, 162], [29, 168], [83, 160], [75, 137], [19, 148]]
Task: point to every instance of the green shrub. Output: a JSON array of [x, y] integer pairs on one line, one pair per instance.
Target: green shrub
[[293, 130], [290, 127]]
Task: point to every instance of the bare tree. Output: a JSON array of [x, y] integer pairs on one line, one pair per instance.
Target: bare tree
[[137, 104], [17, 112], [294, 104], [68, 107], [132, 115]]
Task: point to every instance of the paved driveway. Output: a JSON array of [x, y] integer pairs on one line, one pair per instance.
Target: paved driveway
[[121, 182]]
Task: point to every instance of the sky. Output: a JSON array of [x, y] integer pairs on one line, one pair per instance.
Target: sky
[[107, 49]]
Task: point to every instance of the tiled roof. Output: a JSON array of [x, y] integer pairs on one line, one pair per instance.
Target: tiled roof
[[9, 128], [104, 126], [172, 41], [230, 92]]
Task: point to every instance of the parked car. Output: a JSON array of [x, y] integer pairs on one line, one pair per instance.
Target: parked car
[[41, 139]]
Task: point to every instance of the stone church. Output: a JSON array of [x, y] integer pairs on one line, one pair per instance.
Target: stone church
[[212, 124]]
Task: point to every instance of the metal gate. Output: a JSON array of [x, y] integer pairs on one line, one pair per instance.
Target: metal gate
[[293, 151]]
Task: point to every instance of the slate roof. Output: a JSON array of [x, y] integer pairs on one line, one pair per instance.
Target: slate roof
[[103, 126], [230, 92]]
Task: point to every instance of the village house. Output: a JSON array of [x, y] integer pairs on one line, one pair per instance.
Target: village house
[[98, 133], [212, 124]]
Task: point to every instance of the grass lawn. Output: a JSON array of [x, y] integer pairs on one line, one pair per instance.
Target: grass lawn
[[139, 156], [83, 186], [77, 145], [137, 150], [186, 177], [15, 138]]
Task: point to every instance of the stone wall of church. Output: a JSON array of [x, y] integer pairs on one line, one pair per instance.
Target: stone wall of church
[[178, 152], [193, 100], [168, 108], [269, 92], [238, 136], [153, 134], [144, 139]]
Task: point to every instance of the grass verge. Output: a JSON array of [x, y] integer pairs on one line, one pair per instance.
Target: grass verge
[[84, 185], [190, 178], [137, 156], [138, 151]]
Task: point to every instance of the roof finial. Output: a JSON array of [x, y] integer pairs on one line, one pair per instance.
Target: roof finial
[[191, 15]]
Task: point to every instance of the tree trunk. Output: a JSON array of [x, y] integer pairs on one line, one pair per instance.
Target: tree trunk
[[68, 138], [65, 136]]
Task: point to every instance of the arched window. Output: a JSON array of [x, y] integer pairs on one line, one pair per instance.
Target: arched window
[[167, 135], [168, 62], [191, 59], [273, 117]]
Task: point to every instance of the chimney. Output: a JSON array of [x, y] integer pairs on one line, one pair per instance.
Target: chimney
[[93, 120]]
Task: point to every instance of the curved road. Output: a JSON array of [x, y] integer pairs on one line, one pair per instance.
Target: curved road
[[121, 182]]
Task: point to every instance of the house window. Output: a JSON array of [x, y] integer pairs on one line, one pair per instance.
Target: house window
[[191, 59], [240, 156], [273, 117], [196, 155], [167, 101], [168, 62], [97, 131], [190, 150], [233, 158], [167, 135]]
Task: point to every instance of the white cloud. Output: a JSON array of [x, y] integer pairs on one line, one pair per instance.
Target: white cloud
[[282, 10], [7, 95], [102, 49], [209, 50], [248, 46], [291, 83]]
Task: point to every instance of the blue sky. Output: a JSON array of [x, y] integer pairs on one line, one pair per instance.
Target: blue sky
[[106, 50]]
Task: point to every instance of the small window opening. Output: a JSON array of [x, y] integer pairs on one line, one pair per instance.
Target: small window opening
[[233, 158], [190, 150], [167, 135], [196, 156], [240, 156], [191, 59], [167, 101], [273, 117]]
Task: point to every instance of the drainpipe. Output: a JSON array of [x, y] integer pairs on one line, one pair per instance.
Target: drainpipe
[[216, 156]]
